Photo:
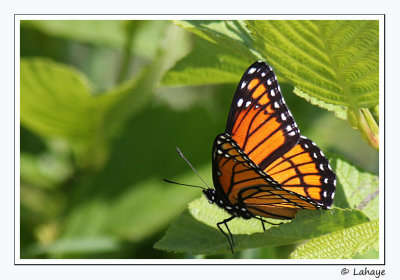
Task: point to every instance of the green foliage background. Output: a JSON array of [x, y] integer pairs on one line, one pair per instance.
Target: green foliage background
[[105, 103]]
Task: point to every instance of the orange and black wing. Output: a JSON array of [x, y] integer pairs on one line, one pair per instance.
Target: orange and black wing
[[305, 170], [239, 181], [259, 120]]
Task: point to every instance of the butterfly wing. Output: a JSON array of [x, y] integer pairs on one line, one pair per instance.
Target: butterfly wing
[[261, 161], [259, 120], [305, 170], [239, 181]]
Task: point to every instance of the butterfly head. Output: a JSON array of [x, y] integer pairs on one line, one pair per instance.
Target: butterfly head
[[210, 194]]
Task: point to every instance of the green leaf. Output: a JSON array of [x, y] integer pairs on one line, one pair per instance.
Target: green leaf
[[333, 61], [208, 63], [56, 100], [220, 54], [360, 188], [332, 64], [232, 35], [342, 244], [190, 235], [339, 110]]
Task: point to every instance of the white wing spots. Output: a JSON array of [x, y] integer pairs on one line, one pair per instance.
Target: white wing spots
[[269, 82], [243, 209], [219, 142], [251, 70], [329, 167], [288, 128], [219, 152], [283, 117], [219, 173], [248, 103], [301, 136], [293, 133], [226, 155], [306, 146], [332, 195], [276, 105], [315, 155], [240, 102], [326, 180], [334, 182], [257, 106], [322, 154], [325, 193], [244, 83], [228, 207], [321, 166], [272, 92], [263, 74], [279, 88], [222, 137]]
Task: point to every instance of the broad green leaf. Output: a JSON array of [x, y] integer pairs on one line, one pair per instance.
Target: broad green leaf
[[232, 35], [56, 100], [334, 64], [187, 234], [211, 214], [360, 188], [208, 63], [340, 111], [220, 55], [342, 244]]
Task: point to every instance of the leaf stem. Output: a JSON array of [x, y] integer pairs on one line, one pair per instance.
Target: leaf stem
[[130, 30], [364, 121]]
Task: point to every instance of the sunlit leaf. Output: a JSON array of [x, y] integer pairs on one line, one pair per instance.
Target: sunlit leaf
[[335, 62], [361, 188], [342, 244], [188, 234]]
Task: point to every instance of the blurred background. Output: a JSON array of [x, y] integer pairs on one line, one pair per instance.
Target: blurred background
[[99, 131]]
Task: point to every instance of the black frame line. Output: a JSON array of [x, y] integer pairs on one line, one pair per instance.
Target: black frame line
[[194, 263]]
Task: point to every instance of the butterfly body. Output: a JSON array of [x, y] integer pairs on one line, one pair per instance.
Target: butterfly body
[[262, 167]]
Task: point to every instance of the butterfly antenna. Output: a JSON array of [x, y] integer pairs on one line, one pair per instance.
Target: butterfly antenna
[[176, 183], [191, 166]]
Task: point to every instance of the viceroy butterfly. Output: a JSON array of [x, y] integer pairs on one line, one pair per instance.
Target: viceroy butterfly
[[261, 165]]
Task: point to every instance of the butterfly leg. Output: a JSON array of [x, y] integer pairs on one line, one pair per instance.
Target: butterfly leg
[[230, 237], [265, 221]]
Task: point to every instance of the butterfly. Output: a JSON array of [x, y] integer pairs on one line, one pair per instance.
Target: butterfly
[[261, 166]]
